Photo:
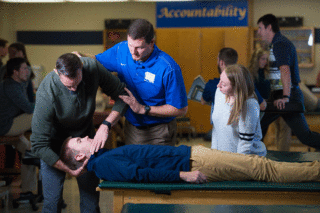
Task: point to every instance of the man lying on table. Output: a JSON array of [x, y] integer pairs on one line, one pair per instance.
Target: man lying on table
[[196, 164]]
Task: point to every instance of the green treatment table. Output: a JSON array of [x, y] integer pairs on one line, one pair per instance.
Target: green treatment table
[[220, 193]]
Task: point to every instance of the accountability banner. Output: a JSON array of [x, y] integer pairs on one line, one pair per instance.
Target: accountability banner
[[202, 14]]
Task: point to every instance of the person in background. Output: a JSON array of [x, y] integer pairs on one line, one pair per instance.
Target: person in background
[[236, 114], [195, 164], [156, 89], [18, 50], [227, 56], [15, 117], [259, 68], [284, 80], [3, 53], [65, 105]]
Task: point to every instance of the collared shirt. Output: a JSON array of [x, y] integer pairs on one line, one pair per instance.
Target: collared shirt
[[282, 52], [154, 82]]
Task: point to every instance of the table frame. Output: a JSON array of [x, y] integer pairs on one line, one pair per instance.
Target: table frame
[[213, 197]]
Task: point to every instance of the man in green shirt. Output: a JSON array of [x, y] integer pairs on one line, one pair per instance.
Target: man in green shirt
[[65, 103]]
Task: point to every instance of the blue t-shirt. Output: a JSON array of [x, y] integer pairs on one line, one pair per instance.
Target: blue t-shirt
[[283, 52], [141, 163], [154, 82]]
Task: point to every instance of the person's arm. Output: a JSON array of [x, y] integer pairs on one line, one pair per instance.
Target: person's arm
[[193, 177], [113, 87], [261, 101], [282, 53], [75, 173], [103, 132], [30, 91], [84, 55], [248, 127], [263, 105], [166, 111], [209, 92], [286, 82], [203, 102], [42, 127], [159, 111], [176, 102]]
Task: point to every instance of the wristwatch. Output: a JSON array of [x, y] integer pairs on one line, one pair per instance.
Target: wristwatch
[[147, 108], [107, 123]]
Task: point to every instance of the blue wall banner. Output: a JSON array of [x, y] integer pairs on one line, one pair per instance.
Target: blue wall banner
[[60, 37], [202, 14]]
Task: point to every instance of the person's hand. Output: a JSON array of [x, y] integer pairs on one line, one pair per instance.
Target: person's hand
[[99, 139], [81, 170], [77, 53], [193, 177], [263, 105], [281, 103], [132, 102]]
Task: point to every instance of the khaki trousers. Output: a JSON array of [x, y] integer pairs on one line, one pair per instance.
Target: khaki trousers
[[162, 134], [227, 166], [20, 125]]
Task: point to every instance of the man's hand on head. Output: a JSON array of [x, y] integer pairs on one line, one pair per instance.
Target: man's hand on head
[[193, 177]]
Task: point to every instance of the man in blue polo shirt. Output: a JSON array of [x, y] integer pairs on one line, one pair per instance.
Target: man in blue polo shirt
[[284, 79], [155, 86]]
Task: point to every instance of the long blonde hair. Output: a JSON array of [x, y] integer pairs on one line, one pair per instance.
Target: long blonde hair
[[254, 62], [243, 88]]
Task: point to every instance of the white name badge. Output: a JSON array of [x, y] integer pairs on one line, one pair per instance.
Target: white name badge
[[149, 77]]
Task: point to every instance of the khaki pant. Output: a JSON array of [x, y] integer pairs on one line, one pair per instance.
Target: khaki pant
[[162, 134], [20, 125], [227, 166]]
